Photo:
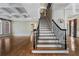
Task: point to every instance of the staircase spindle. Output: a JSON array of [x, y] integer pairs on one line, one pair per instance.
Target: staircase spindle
[[60, 34]]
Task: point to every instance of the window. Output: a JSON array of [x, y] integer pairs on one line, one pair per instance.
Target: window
[[0, 27]]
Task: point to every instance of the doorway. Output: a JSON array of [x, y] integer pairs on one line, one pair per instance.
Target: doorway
[[73, 28]]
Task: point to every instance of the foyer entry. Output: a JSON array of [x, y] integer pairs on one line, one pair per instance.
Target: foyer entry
[[73, 28]]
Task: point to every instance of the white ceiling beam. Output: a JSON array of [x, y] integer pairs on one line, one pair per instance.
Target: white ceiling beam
[[11, 5], [30, 9], [15, 12]]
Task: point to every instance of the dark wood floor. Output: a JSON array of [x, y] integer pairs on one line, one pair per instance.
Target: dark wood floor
[[21, 46]]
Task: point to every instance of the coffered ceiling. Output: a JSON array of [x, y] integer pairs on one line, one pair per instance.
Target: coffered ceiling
[[25, 11], [19, 10]]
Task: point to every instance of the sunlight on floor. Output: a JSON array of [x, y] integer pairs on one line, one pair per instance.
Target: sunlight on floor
[[72, 44]]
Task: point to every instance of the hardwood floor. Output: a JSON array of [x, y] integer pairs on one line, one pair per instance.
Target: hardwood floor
[[77, 47], [26, 49], [76, 44], [21, 46]]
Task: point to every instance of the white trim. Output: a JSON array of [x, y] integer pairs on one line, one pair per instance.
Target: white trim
[[50, 37], [5, 25], [48, 45], [47, 41], [9, 27], [1, 27], [46, 34]]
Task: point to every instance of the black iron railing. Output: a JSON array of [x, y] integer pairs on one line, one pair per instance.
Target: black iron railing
[[60, 34], [36, 36]]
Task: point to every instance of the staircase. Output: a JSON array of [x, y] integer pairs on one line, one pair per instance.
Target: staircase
[[47, 41]]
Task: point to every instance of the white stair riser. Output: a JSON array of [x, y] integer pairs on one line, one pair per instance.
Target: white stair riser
[[47, 45], [46, 34], [49, 51], [44, 26], [47, 41], [45, 31], [47, 38]]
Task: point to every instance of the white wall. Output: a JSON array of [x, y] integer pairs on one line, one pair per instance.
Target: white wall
[[78, 27], [33, 9], [22, 28], [58, 14]]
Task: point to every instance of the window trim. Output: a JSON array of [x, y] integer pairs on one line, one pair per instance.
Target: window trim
[[1, 26], [4, 27]]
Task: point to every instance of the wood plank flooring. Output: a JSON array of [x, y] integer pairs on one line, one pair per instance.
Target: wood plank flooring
[[21, 46], [26, 50]]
